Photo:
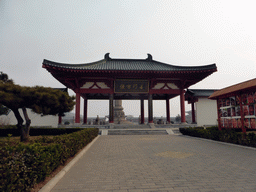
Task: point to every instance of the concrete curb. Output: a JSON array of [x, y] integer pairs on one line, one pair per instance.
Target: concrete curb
[[48, 187], [170, 131]]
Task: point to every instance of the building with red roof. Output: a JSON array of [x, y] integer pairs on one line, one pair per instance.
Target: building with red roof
[[237, 106]]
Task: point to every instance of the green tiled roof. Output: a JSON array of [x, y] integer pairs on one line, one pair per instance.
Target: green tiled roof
[[200, 92], [128, 65]]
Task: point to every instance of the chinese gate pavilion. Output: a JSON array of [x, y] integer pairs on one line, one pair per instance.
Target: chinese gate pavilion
[[128, 79]]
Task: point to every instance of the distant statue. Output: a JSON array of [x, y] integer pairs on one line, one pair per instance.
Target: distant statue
[[97, 120]]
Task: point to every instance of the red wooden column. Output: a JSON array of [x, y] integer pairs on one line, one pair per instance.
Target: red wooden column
[[150, 108], [182, 106], [142, 120], [242, 113], [77, 115], [60, 120], [111, 108], [168, 120], [85, 110], [193, 112], [218, 112]]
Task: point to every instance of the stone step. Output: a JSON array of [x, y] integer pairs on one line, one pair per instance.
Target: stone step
[[176, 131], [137, 132], [129, 126]]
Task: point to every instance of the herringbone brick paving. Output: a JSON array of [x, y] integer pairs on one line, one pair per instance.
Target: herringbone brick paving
[[140, 163]]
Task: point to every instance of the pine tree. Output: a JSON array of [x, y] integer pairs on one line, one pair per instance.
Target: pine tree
[[42, 100]]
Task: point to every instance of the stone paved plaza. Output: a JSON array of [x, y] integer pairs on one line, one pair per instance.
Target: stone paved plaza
[[138, 163]]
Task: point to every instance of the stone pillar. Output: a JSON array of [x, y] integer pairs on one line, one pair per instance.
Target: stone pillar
[[150, 108], [142, 120], [182, 106], [85, 110], [193, 112], [77, 118], [111, 108], [119, 115], [168, 111]]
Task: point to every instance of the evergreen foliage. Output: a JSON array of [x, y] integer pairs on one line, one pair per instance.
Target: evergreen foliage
[[23, 165], [42, 100], [4, 110], [36, 131], [225, 135], [4, 79]]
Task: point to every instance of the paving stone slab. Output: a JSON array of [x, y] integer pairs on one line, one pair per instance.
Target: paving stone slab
[[137, 132], [161, 163]]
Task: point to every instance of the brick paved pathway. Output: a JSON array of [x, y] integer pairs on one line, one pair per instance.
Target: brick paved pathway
[[138, 163]]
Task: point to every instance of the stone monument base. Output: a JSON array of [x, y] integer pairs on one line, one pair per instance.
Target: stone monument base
[[119, 116], [123, 121]]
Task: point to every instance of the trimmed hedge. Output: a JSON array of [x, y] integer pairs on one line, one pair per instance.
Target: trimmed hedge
[[225, 135], [24, 165], [34, 131]]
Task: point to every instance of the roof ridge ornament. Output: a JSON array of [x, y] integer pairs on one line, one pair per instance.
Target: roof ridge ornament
[[150, 58], [106, 57]]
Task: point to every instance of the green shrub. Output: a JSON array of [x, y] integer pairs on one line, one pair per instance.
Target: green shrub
[[8, 127], [213, 134], [225, 135], [23, 165], [12, 129], [251, 139]]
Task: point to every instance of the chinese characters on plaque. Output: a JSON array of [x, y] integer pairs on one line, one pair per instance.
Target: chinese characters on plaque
[[230, 111], [131, 86]]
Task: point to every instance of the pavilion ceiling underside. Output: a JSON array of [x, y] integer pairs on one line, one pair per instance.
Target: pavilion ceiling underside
[[197, 75], [71, 80]]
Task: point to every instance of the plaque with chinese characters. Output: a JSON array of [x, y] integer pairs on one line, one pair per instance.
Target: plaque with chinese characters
[[131, 86]]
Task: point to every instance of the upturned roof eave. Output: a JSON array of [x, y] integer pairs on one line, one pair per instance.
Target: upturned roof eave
[[200, 92], [179, 69], [129, 71]]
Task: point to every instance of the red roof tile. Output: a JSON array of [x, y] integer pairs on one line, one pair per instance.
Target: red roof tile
[[251, 84]]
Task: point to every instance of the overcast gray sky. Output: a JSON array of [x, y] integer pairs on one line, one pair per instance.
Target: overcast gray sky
[[179, 32]]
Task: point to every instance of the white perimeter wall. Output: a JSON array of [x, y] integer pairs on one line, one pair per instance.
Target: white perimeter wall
[[206, 112], [36, 119]]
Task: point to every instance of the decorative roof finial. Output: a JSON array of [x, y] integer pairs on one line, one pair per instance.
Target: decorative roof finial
[[150, 58], [107, 56]]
